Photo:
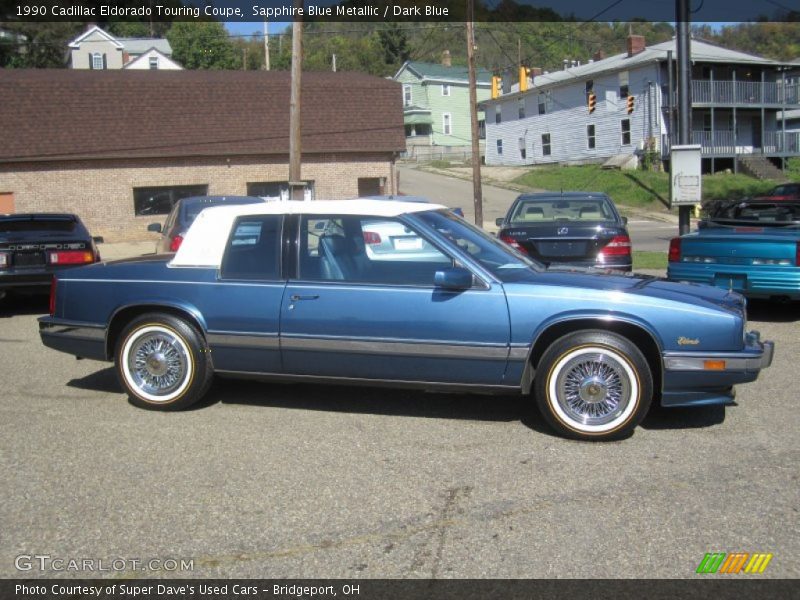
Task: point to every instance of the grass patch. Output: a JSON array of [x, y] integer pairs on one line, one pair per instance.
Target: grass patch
[[644, 189], [440, 164], [649, 260]]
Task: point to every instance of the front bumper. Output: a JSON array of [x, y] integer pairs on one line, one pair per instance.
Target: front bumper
[[693, 378]]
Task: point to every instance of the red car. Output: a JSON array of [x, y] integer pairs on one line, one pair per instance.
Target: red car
[[786, 191]]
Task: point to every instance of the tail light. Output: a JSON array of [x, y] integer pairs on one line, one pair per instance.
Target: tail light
[[175, 243], [372, 238], [619, 245], [675, 250], [512, 242], [53, 284], [797, 255], [5, 260], [71, 257]]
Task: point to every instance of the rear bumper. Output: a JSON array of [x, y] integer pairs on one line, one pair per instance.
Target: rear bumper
[[84, 340], [692, 378], [762, 282]]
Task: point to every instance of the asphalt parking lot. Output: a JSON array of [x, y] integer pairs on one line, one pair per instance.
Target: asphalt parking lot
[[311, 481]]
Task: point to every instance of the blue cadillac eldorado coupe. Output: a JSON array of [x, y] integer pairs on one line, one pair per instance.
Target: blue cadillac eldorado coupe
[[288, 291]]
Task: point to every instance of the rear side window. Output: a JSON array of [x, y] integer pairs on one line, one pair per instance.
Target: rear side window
[[253, 250]]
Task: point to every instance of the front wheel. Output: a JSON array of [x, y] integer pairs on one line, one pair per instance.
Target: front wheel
[[162, 362], [593, 385]]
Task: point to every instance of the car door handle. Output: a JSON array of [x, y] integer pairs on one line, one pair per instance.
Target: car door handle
[[296, 297]]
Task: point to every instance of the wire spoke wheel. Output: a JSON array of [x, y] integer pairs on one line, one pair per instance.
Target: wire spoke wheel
[[163, 362], [593, 388], [593, 385], [158, 363]]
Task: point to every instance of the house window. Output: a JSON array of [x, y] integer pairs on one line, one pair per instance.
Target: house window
[[707, 122], [445, 89], [159, 200], [482, 129], [625, 128], [447, 125], [521, 107], [406, 95], [589, 87], [542, 104], [590, 137], [545, 144], [98, 61], [499, 146], [623, 85], [497, 114], [154, 62], [523, 153]]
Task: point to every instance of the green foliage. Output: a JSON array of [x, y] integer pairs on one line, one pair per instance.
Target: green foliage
[[202, 46], [45, 45], [638, 188], [776, 40], [793, 168]]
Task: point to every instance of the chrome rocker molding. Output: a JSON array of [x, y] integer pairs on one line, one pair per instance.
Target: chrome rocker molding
[[394, 383]]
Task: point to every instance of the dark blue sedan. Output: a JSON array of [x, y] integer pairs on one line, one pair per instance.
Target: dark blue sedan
[[287, 291]]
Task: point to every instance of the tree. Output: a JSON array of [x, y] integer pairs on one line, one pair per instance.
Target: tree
[[202, 46], [44, 45], [394, 42]]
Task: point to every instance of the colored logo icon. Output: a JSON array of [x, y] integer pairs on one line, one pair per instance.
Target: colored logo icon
[[734, 562]]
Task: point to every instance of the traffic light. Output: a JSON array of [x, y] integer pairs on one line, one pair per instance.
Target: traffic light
[[497, 84], [524, 73], [592, 101], [630, 104]]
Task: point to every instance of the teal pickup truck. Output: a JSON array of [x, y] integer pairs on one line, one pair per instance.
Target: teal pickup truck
[[748, 246]]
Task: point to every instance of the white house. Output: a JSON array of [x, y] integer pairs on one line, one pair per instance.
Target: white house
[[736, 99], [97, 49]]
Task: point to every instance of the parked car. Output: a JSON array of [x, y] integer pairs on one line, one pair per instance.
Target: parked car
[[254, 291], [572, 229], [183, 214], [751, 246], [34, 246], [786, 191]]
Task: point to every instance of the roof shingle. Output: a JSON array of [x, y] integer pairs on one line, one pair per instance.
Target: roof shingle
[[72, 114]]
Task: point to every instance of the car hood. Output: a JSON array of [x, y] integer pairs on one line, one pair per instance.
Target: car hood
[[637, 284]]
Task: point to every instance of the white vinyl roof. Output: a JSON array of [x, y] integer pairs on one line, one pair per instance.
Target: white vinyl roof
[[205, 241]]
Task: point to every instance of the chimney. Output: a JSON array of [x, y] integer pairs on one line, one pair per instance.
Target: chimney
[[446, 60], [599, 55], [635, 44]]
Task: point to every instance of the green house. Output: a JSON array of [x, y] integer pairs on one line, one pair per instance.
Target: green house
[[436, 103]]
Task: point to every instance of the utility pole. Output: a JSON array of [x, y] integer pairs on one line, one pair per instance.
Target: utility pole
[[473, 113], [266, 45], [684, 96], [296, 185]]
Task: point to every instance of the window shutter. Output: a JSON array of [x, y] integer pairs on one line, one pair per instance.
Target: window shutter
[[105, 65], [91, 61]]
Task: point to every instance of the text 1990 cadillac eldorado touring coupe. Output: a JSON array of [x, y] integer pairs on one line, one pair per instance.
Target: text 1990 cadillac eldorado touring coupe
[[288, 292]]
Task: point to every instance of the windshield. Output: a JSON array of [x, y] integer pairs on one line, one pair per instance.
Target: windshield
[[543, 210], [773, 214], [496, 257]]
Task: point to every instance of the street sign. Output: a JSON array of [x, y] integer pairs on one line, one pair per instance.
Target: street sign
[[686, 182]]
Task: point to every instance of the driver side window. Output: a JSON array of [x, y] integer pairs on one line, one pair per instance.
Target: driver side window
[[367, 250]]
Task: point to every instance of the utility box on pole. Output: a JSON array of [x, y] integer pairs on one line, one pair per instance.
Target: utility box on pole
[[685, 178]]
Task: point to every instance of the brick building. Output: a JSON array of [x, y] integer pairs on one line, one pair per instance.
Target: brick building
[[119, 147]]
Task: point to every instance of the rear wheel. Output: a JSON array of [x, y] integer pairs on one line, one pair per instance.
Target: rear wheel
[[593, 385], [162, 362]]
